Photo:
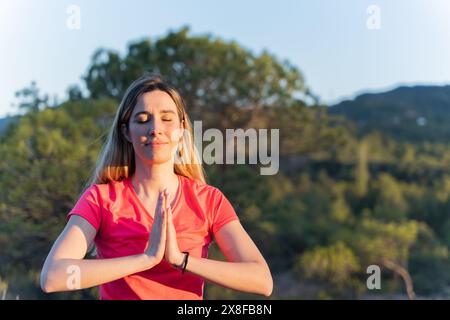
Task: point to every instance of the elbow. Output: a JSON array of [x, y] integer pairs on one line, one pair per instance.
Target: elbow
[[46, 289], [268, 293], [46, 283], [268, 288]]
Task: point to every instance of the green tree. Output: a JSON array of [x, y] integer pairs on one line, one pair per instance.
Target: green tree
[[362, 171], [388, 245], [46, 160], [336, 264], [211, 74]]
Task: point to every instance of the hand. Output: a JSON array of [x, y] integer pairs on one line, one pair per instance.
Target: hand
[[157, 241], [172, 253]]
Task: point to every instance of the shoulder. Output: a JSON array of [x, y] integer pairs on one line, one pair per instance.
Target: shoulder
[[202, 192], [104, 191], [199, 187]]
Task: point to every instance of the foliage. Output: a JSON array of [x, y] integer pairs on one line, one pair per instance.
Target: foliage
[[344, 198]]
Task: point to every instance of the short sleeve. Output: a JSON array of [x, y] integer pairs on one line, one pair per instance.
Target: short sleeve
[[88, 207], [223, 211]]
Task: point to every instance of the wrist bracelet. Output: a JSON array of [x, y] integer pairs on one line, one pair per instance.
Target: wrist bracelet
[[185, 261]]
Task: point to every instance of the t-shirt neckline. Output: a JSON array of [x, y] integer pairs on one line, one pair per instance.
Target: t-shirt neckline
[[175, 201]]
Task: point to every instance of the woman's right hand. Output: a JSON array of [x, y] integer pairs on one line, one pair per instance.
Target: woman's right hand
[[157, 241]]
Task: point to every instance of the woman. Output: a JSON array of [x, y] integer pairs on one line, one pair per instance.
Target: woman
[[151, 214]]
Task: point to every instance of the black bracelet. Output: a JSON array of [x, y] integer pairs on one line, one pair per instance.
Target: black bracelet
[[185, 261]]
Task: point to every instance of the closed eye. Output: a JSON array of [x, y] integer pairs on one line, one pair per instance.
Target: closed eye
[[145, 121], [143, 117]]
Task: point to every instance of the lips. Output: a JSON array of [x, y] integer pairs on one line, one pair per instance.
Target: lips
[[156, 143]]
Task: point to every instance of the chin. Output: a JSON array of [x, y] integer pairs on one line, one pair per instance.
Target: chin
[[157, 159], [155, 156]]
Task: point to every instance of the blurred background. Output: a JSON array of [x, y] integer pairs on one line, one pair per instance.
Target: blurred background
[[358, 89]]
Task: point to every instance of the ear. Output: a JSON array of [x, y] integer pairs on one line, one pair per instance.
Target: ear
[[124, 129]]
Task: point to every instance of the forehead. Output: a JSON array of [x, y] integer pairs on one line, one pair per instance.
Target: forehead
[[154, 102]]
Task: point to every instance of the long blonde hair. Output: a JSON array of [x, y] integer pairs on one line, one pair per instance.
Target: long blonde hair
[[117, 160]]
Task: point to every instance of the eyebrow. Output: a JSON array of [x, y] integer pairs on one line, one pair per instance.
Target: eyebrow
[[149, 114]]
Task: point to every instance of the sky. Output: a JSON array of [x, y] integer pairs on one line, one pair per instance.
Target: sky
[[342, 47]]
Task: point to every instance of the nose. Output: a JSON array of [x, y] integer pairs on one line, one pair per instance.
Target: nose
[[155, 128]]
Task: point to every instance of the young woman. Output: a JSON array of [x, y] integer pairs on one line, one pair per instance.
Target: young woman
[[151, 215]]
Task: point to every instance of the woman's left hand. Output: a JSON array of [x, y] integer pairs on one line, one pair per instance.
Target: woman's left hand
[[173, 255]]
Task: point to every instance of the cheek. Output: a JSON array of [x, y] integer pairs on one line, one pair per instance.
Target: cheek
[[137, 133], [176, 134]]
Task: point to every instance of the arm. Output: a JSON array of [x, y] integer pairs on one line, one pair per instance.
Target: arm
[[65, 260], [66, 256], [246, 270]]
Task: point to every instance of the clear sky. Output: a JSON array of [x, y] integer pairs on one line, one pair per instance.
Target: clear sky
[[328, 40]]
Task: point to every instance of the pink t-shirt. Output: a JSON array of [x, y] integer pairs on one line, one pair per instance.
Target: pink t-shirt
[[123, 226]]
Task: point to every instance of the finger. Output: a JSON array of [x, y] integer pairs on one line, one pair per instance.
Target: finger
[[158, 208], [167, 199], [163, 229], [164, 209], [167, 207], [159, 221], [170, 228], [163, 193], [170, 225], [169, 214]]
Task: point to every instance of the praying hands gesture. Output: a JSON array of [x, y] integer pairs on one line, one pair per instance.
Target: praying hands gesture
[[245, 270], [163, 239]]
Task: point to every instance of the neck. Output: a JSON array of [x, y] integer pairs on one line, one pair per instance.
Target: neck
[[151, 179]]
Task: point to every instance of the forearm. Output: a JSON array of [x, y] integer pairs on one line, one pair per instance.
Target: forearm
[[252, 277], [74, 274]]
